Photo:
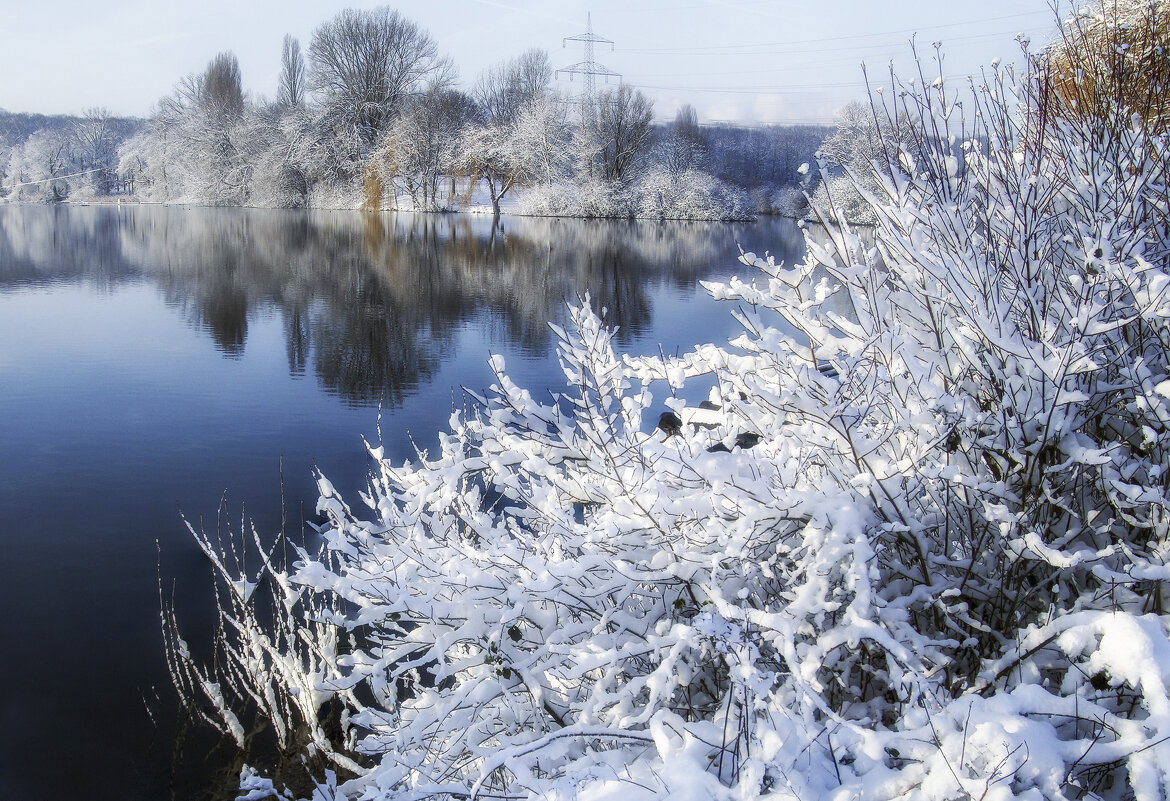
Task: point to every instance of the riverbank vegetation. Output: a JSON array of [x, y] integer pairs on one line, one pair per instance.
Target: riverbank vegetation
[[915, 551], [370, 116], [46, 159]]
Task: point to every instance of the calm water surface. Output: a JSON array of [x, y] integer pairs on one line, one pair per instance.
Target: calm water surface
[[159, 361]]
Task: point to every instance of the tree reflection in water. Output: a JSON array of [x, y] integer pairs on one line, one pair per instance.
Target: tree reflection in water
[[371, 302]]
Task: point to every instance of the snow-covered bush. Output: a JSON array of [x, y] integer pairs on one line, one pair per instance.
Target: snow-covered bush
[[690, 195], [788, 201], [582, 198], [693, 195], [598, 198], [839, 199], [546, 200], [914, 547]]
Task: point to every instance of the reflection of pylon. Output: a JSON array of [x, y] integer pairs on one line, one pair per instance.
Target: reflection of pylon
[[588, 68]]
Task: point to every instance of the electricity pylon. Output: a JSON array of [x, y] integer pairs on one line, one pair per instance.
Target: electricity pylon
[[589, 68]]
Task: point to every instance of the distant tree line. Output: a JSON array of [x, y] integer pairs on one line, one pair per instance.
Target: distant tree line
[[369, 115], [54, 157], [765, 161]]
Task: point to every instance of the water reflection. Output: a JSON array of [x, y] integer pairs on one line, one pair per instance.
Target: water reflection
[[370, 303], [114, 412]]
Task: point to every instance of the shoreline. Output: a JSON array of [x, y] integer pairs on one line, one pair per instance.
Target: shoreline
[[479, 211]]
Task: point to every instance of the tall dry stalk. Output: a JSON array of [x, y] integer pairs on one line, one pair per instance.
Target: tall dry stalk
[[1111, 61]]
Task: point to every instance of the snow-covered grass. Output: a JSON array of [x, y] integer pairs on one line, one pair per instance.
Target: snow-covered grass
[[921, 554]]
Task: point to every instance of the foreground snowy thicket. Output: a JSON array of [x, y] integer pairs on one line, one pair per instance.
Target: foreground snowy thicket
[[939, 574]]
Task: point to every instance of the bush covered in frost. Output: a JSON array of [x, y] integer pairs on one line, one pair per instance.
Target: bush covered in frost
[[920, 555], [691, 195], [840, 199], [788, 201]]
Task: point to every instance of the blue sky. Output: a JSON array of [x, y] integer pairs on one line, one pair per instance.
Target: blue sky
[[741, 60]]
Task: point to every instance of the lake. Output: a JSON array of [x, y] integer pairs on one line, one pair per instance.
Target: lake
[[158, 362]]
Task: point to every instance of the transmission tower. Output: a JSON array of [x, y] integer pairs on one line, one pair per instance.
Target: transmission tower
[[589, 68]]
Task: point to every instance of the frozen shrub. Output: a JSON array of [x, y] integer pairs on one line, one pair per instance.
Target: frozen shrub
[[1111, 53], [598, 198], [586, 198], [546, 200], [788, 201], [839, 199], [690, 195]]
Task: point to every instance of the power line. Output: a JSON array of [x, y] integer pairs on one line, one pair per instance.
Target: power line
[[820, 60], [711, 49], [766, 123], [54, 178], [781, 88], [786, 50], [752, 90]]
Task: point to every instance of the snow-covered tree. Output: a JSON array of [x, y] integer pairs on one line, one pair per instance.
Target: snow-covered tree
[[682, 146], [866, 136], [866, 144], [422, 146], [199, 145], [542, 134], [364, 64], [762, 158], [42, 168], [522, 133], [96, 150]]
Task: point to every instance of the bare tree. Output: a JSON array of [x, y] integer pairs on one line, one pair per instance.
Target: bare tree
[[503, 90], [423, 145], [683, 146], [291, 90], [531, 74], [96, 146], [619, 132], [220, 91], [366, 62]]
